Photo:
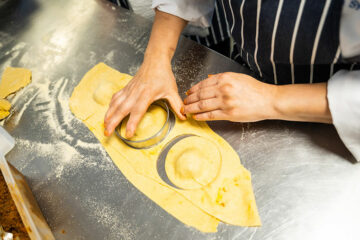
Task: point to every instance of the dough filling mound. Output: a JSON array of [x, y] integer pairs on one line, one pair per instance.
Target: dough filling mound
[[151, 123], [193, 163]]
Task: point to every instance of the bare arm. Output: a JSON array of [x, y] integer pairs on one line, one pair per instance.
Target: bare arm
[[241, 98], [153, 81], [302, 102]]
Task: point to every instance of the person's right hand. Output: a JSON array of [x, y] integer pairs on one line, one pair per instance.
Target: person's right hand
[[154, 80]]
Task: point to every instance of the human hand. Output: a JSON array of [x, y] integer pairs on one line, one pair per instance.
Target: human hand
[[231, 96], [154, 80]]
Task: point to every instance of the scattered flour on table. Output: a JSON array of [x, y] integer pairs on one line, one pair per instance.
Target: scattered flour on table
[[65, 150], [109, 58], [107, 216]]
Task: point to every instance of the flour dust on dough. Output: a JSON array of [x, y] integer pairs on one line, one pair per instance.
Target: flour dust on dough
[[228, 197]]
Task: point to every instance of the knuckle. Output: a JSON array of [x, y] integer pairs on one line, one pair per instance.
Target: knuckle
[[202, 105], [228, 101], [211, 115], [202, 95], [223, 76], [226, 88], [115, 95]]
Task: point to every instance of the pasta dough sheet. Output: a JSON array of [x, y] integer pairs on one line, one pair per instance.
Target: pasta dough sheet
[[13, 79], [5, 105], [228, 198]]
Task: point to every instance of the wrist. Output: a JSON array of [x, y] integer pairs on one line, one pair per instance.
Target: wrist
[[160, 55], [277, 107]]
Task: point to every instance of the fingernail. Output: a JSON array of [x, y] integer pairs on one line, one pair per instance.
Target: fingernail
[[106, 132], [187, 92], [128, 134], [182, 110], [193, 117]]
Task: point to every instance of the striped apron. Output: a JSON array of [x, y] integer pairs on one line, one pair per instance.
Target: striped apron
[[286, 42], [283, 42]]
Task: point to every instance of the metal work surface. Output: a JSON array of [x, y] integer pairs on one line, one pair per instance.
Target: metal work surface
[[305, 183]]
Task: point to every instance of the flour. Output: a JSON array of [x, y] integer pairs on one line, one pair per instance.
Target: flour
[[108, 216], [133, 69], [64, 150], [109, 58]]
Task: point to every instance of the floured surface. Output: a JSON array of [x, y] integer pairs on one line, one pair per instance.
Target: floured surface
[[229, 198]]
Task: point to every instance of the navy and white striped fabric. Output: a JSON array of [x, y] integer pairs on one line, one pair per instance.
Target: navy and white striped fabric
[[288, 41], [283, 42], [122, 3], [219, 29]]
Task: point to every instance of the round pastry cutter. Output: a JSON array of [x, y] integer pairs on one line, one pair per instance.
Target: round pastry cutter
[[160, 164], [157, 137]]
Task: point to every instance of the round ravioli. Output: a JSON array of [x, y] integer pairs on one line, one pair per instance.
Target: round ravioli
[[193, 163], [151, 123]]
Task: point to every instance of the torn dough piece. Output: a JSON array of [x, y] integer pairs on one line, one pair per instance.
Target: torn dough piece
[[151, 123], [4, 105], [4, 108], [193, 163], [14, 79], [4, 114]]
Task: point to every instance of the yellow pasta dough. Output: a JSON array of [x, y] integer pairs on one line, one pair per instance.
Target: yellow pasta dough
[[5, 105], [4, 114], [14, 79], [151, 123], [193, 163], [226, 197]]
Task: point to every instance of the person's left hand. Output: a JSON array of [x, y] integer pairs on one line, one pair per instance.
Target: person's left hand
[[231, 96]]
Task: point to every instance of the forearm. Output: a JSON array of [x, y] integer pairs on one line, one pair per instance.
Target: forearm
[[164, 37], [302, 102]]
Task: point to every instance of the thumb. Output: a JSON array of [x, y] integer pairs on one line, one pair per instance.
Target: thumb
[[176, 104]]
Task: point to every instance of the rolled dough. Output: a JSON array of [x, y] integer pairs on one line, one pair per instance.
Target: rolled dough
[[228, 198]]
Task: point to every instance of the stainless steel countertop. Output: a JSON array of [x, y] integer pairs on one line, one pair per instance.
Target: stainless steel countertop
[[305, 183]]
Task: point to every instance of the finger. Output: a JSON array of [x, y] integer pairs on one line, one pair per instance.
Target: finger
[[201, 94], [177, 105], [211, 81], [202, 106], [210, 116], [120, 113], [116, 101], [136, 116]]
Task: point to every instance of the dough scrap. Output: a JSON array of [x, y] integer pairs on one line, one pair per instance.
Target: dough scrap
[[13, 79], [229, 198], [4, 114], [193, 163], [5, 105], [151, 123]]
